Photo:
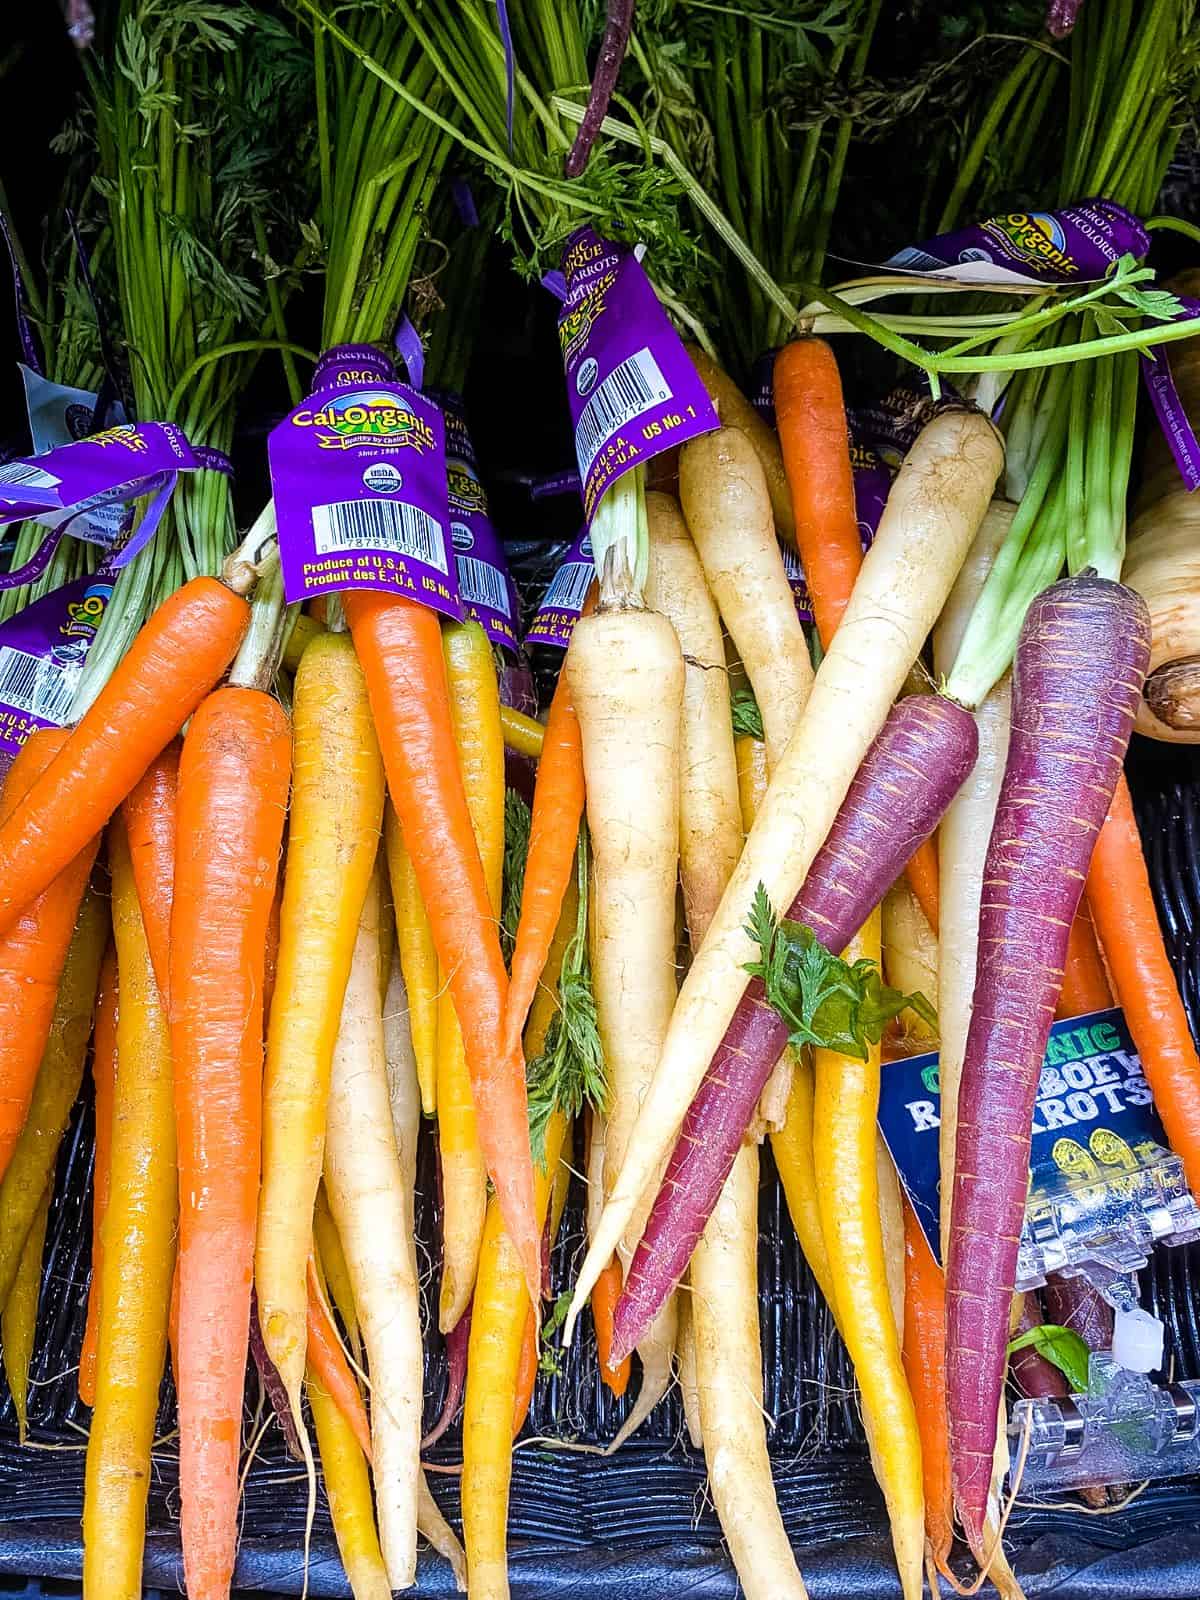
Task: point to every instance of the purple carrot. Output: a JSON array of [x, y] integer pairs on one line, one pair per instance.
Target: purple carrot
[[1077, 679], [272, 1383], [517, 689], [457, 1341], [1073, 1303], [618, 25], [922, 756]]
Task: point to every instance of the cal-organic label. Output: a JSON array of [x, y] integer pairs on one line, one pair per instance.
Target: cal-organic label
[[562, 604], [631, 387], [1094, 1112], [1078, 244], [359, 478], [484, 582], [42, 654]]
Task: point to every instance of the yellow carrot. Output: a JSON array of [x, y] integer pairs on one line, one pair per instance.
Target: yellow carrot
[[348, 1487], [139, 1262], [334, 1271], [522, 734], [497, 1333], [845, 1153], [498, 1319], [31, 1169], [418, 959], [336, 816], [475, 718], [18, 1323], [792, 1147]]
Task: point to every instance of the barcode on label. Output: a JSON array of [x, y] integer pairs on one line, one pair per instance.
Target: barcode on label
[[791, 565], [35, 685], [20, 472], [379, 525], [568, 587], [918, 260], [633, 387], [482, 585]]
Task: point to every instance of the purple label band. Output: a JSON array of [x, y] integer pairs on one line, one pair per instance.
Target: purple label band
[[346, 366], [555, 484], [112, 387], [29, 349], [631, 387], [410, 350], [1168, 408], [1079, 244], [510, 67], [464, 203], [120, 554]]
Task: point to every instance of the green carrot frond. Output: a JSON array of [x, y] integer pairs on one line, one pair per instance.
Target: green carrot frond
[[517, 821], [825, 1001], [747, 718], [570, 1072]]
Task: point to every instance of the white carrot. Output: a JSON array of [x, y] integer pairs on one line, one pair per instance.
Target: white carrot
[[728, 513], [963, 839], [369, 1204], [936, 505], [910, 963], [404, 1089], [689, 1381], [729, 1373], [626, 677], [710, 823]]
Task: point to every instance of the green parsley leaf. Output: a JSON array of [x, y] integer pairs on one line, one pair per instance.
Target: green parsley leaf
[[824, 1000], [1061, 1347]]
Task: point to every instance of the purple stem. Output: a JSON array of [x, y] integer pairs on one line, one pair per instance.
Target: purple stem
[[618, 26], [1061, 17], [921, 758]]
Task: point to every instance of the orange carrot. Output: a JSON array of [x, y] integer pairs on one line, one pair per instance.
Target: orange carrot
[[1085, 984], [233, 789], [921, 874], [527, 1373], [169, 668], [104, 1075], [925, 1368], [604, 1303], [328, 1361], [149, 813], [1126, 921], [553, 836], [811, 417], [400, 646], [33, 949]]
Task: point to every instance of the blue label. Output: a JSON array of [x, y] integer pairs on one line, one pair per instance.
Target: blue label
[[1093, 1107]]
